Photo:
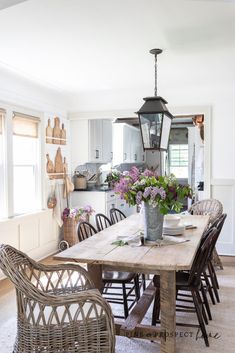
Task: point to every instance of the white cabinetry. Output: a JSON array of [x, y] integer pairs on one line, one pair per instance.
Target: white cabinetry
[[101, 201], [95, 137], [91, 141], [107, 140], [127, 144]]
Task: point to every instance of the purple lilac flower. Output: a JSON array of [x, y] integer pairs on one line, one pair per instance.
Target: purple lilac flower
[[134, 173], [83, 217], [139, 197], [122, 187], [154, 192], [65, 213], [149, 173], [162, 193], [73, 213], [125, 173], [147, 192], [88, 209]]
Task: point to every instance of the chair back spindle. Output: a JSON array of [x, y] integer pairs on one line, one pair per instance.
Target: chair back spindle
[[116, 215], [85, 230], [102, 221]]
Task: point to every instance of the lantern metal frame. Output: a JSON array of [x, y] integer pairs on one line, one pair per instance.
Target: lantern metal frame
[[155, 105]]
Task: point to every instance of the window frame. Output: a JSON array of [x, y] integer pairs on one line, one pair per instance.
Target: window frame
[[178, 166], [8, 165]]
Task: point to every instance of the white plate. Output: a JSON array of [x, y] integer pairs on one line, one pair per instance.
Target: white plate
[[174, 231], [179, 227], [173, 234]]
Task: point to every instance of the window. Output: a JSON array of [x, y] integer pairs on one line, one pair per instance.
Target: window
[[25, 164], [178, 160], [2, 179]]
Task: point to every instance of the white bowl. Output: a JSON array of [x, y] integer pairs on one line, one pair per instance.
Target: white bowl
[[171, 220]]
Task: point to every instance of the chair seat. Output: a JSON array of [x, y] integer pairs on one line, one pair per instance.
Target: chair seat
[[118, 277], [182, 280]]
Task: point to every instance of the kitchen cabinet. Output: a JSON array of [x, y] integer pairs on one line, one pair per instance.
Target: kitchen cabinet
[[127, 144], [101, 201], [107, 140], [95, 137], [91, 141]]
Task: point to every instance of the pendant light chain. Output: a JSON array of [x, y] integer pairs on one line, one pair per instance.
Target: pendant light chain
[[155, 52], [155, 88]]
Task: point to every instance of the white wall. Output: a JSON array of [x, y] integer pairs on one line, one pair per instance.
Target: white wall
[[218, 97], [14, 89], [218, 100], [37, 234]]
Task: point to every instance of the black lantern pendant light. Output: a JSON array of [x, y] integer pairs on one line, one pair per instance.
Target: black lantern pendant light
[[154, 118]]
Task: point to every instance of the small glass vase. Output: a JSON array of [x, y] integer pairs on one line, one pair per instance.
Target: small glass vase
[[153, 223]]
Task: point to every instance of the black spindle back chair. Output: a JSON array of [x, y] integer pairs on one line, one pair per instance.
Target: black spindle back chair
[[85, 230], [102, 221], [191, 282], [126, 283], [116, 215], [210, 274]]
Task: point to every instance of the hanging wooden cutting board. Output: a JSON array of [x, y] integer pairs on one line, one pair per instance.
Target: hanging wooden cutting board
[[49, 132], [49, 166], [56, 131], [63, 135], [58, 162]]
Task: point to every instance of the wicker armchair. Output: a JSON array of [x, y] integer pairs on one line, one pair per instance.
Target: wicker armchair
[[214, 209], [211, 207], [58, 309]]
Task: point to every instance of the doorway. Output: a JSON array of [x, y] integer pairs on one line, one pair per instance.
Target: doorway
[[185, 154], [206, 112]]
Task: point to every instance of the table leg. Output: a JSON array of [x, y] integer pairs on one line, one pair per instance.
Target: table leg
[[167, 297], [95, 272]]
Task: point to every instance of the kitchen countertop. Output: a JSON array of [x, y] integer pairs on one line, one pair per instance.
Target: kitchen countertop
[[102, 188]]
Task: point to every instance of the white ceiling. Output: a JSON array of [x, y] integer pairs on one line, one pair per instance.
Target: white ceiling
[[7, 3], [81, 47]]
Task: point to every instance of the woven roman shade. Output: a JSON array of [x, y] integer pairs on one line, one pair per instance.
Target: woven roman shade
[[25, 125]]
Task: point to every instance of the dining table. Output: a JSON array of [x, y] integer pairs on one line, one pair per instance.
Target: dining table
[[164, 258]]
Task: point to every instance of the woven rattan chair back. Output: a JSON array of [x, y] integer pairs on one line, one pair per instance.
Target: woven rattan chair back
[[58, 311], [211, 207], [85, 230], [102, 221], [116, 215]]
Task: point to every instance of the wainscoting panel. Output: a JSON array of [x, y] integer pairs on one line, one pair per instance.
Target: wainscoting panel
[[29, 234], [224, 190], [9, 234], [36, 234], [46, 230]]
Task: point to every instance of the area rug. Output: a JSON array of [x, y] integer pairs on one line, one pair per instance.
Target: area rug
[[221, 329]]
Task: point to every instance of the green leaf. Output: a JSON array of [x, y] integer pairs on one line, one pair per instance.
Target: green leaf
[[119, 243]]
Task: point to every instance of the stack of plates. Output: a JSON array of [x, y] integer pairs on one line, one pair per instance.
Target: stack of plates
[[173, 230]]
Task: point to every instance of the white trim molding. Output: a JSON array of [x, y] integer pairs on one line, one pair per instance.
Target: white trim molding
[[224, 191]]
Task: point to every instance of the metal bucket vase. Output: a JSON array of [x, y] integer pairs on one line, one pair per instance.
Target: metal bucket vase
[[153, 223]]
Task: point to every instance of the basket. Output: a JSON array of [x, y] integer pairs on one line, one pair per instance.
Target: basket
[[70, 231], [70, 226]]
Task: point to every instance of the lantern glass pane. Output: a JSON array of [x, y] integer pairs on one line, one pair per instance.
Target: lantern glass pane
[[166, 126], [151, 129]]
